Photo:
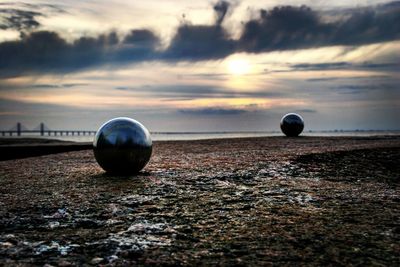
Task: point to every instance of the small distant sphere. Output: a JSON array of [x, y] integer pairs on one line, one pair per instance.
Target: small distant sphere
[[122, 146], [292, 124]]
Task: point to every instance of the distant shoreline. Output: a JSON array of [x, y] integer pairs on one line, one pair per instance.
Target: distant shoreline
[[181, 136]]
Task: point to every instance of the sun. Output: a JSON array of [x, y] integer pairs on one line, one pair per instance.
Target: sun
[[238, 66]]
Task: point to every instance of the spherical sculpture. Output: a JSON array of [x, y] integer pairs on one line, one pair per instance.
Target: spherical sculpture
[[122, 146], [292, 124]]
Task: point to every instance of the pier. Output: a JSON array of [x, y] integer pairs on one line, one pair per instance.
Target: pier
[[19, 129]]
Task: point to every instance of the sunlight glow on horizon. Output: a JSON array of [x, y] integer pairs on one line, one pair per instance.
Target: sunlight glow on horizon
[[239, 66]]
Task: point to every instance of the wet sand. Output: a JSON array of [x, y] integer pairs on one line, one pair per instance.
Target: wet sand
[[254, 201]]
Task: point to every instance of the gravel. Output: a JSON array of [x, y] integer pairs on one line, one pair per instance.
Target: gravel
[[252, 201]]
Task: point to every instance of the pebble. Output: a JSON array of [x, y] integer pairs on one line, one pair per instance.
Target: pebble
[[96, 260], [6, 244]]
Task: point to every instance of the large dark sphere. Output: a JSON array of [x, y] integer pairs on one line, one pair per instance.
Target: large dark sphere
[[292, 124], [122, 146]]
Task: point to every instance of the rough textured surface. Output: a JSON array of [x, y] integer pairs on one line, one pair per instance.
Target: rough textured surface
[[252, 201]]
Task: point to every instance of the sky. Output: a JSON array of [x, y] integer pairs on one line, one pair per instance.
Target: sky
[[200, 65]]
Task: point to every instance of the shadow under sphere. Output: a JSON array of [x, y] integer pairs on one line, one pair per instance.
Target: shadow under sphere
[[122, 146], [292, 124]]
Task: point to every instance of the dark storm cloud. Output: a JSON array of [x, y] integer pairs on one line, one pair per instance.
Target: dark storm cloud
[[200, 43], [286, 28], [141, 38], [46, 51], [281, 28], [138, 45], [289, 27]]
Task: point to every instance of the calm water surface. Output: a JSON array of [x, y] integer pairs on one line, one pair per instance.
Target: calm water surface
[[207, 135]]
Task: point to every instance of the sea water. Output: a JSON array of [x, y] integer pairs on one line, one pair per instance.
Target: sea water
[[172, 136]]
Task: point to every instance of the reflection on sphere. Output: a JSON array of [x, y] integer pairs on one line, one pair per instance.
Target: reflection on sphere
[[122, 146], [292, 124]]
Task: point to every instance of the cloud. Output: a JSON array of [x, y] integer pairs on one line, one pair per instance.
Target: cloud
[[142, 37], [322, 66], [221, 8], [290, 27], [50, 86], [18, 19], [213, 111], [191, 91], [361, 88], [47, 52], [200, 43], [305, 110], [178, 92], [358, 78], [327, 79], [343, 66], [8, 86], [174, 89], [281, 28]]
